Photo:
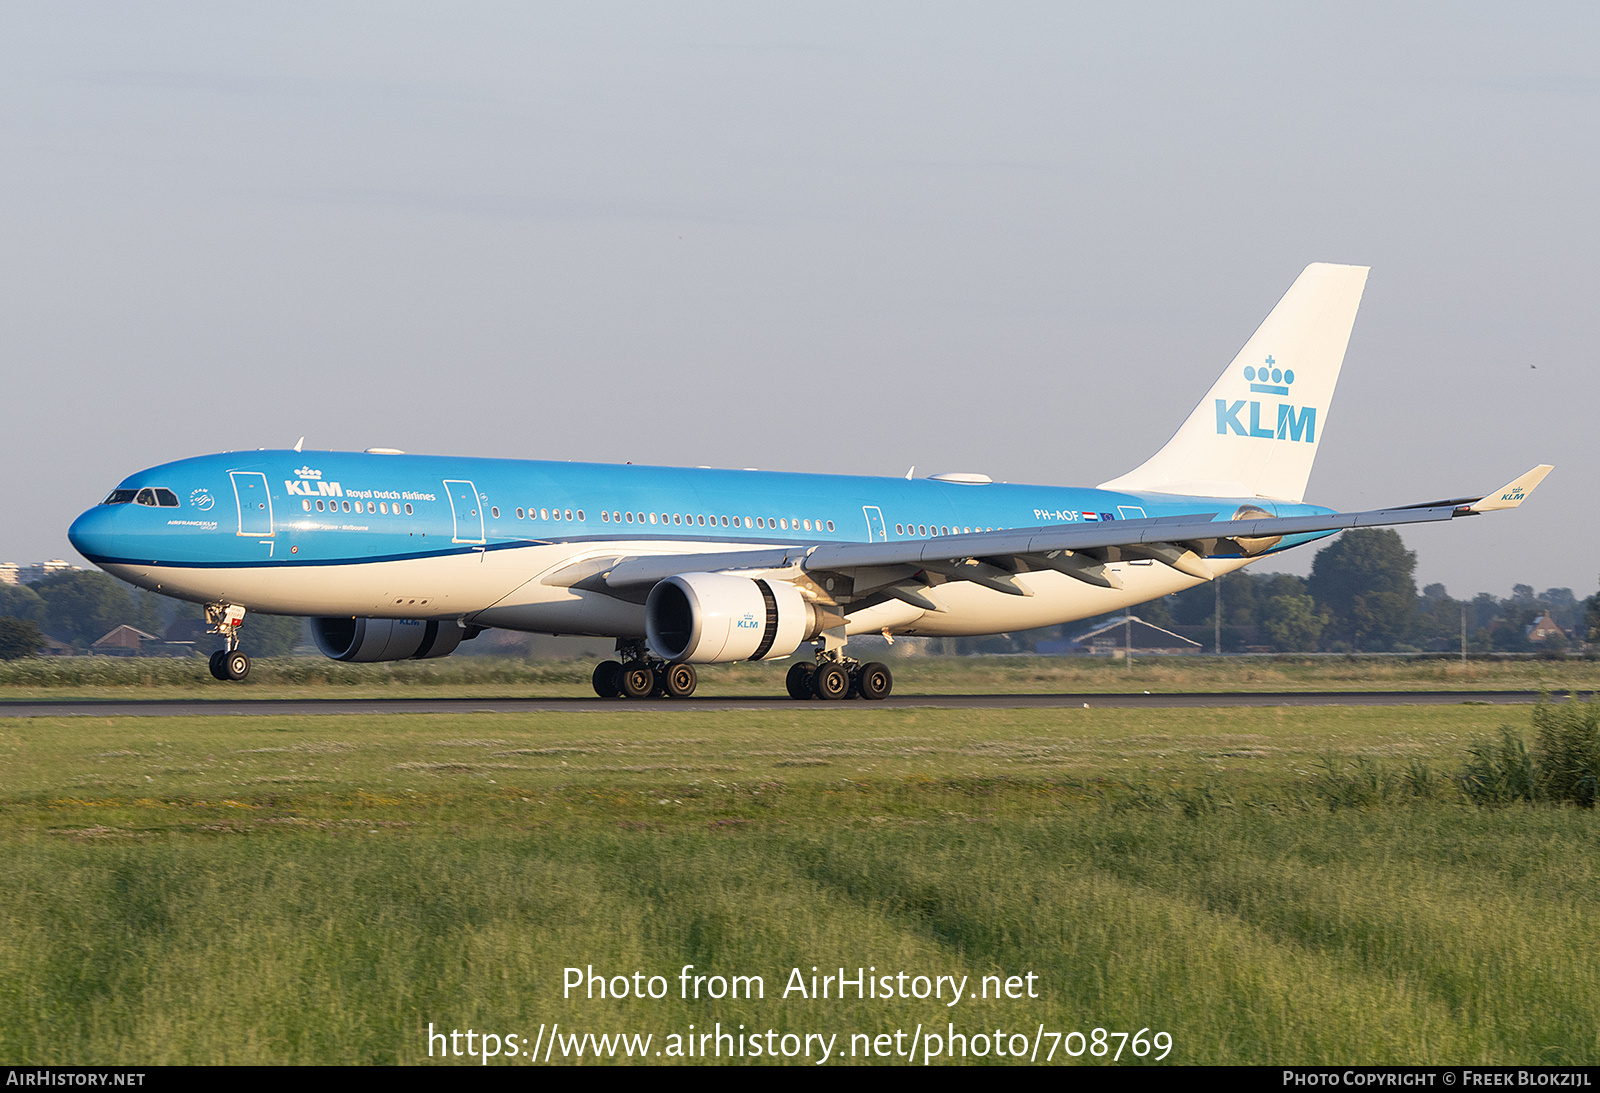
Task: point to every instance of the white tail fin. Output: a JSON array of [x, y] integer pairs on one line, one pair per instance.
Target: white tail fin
[[1256, 432]]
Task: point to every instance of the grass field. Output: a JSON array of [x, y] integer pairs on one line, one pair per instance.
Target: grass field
[[483, 677], [1265, 885]]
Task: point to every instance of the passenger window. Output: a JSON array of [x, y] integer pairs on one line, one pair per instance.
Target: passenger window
[[567, 515], [374, 508], [580, 516], [408, 508], [747, 522], [306, 505], [830, 525], [544, 514], [519, 514], [319, 506], [495, 512], [899, 529], [629, 516], [605, 517], [807, 524], [760, 523]]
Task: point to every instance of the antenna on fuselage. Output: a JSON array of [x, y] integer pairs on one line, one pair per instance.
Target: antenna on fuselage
[[299, 443], [911, 472]]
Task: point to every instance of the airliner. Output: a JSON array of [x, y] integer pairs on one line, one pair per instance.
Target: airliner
[[397, 556]]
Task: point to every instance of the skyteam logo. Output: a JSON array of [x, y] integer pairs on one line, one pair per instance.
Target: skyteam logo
[[1269, 379]]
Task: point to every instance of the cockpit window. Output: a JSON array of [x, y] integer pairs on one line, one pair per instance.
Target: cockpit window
[[154, 496]]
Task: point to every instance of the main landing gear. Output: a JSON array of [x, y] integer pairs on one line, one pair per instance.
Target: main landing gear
[[639, 675], [831, 680], [229, 663], [636, 674]]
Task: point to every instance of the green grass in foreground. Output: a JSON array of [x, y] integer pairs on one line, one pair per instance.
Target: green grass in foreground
[[292, 677], [319, 889]]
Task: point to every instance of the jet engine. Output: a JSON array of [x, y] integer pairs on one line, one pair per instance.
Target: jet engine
[[366, 640], [703, 618]]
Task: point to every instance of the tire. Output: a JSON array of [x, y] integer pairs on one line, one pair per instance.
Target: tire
[[607, 679], [638, 681], [798, 681], [217, 671], [680, 680], [831, 682], [236, 665], [874, 681]]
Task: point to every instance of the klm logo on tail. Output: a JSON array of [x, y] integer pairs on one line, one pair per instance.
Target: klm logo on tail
[[1290, 425]]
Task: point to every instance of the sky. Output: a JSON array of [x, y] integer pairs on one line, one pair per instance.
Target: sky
[[1015, 239]]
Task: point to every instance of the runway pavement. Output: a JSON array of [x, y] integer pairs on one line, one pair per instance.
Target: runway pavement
[[213, 707]]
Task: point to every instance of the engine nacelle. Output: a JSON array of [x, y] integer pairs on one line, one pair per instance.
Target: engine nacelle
[[367, 640], [703, 618]]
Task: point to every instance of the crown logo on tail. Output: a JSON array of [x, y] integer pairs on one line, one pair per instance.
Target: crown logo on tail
[[1269, 380]]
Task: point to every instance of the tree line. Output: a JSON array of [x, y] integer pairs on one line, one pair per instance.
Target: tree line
[[1361, 597], [78, 607]]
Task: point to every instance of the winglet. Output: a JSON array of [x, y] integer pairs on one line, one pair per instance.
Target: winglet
[[1513, 493]]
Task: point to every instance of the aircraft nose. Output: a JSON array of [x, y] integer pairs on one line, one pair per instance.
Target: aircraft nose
[[93, 533]]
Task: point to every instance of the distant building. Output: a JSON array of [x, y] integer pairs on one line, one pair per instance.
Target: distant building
[[10, 573], [186, 636], [38, 571], [1544, 628], [55, 647], [124, 641], [1112, 638]]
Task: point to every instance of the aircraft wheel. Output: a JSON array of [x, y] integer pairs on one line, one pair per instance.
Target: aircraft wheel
[[830, 682], [798, 681], [607, 679], [638, 681], [217, 671], [236, 665], [874, 681], [681, 680]]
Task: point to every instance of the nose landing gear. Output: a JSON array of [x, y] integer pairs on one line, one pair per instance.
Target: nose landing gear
[[230, 664]]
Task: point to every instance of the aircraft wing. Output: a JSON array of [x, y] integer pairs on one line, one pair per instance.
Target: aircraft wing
[[993, 559]]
